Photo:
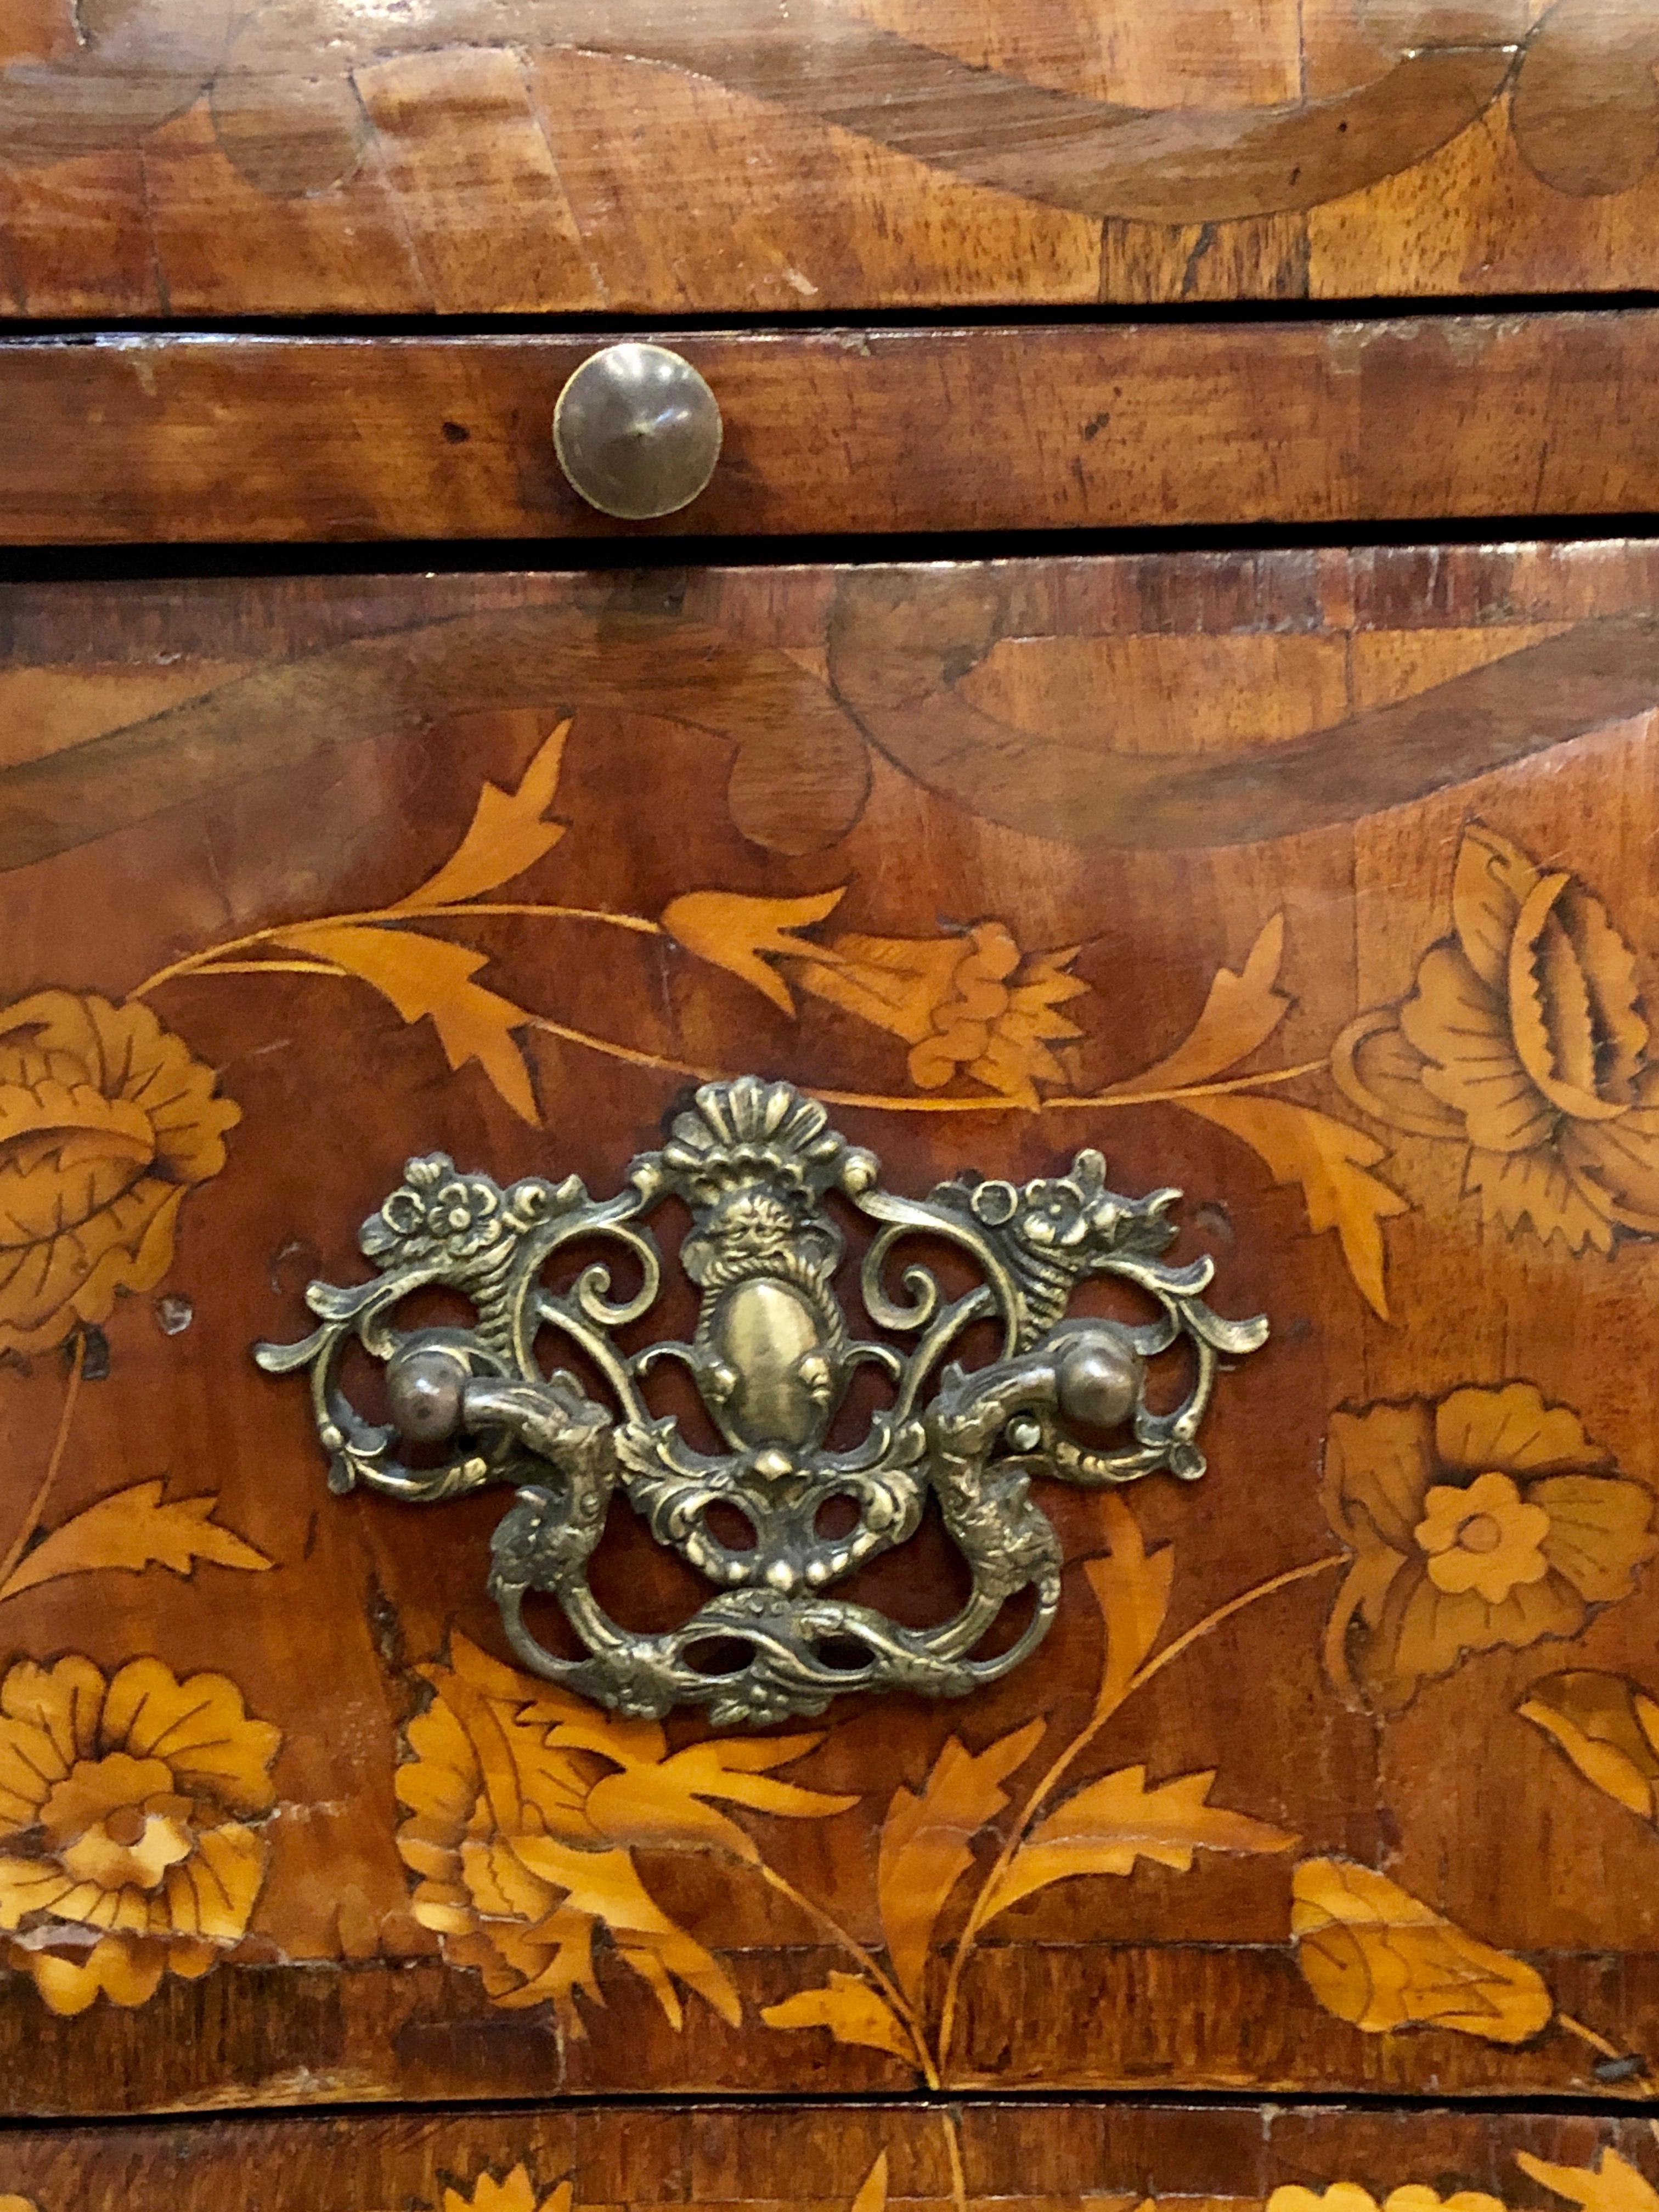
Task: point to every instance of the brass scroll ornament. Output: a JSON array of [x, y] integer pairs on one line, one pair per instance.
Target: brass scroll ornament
[[771, 1357]]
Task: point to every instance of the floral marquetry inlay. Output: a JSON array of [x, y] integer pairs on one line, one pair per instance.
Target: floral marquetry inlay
[[1382, 1959], [525, 1807], [514, 2192], [1487, 1518], [106, 1121], [973, 1003], [1225, 1743], [130, 1842], [1410, 2197], [1526, 1042], [1609, 1727], [1613, 2185]]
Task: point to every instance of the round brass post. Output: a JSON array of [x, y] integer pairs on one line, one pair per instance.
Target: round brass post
[[637, 432]]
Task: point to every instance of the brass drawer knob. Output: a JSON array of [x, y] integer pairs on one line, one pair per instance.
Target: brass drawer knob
[[758, 1166], [637, 432]]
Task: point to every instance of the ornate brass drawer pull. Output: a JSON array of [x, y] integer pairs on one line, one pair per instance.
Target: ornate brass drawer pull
[[772, 1358]]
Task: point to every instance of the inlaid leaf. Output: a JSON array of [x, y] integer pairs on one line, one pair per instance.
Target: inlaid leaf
[[524, 1847], [1608, 1727], [106, 1121], [1132, 1588], [507, 835], [428, 976], [736, 932], [1108, 1826], [1380, 1959], [872, 2196], [1612, 2185], [1329, 1160], [546, 1961], [851, 2010], [133, 1529], [606, 1885], [1239, 1014], [740, 1771], [659, 1805], [927, 1841], [490, 1718]]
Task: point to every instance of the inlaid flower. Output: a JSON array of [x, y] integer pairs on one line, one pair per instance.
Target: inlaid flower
[[1486, 1538], [127, 1848], [973, 1003], [1349, 2197], [515, 2192], [1526, 1042], [525, 1806], [1487, 1519], [107, 1120]]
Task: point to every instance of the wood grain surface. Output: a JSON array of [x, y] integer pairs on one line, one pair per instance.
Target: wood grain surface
[[331, 157], [1029, 2157], [291, 440], [1318, 884]]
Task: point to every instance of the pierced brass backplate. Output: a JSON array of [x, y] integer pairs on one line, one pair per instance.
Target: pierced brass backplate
[[772, 1358]]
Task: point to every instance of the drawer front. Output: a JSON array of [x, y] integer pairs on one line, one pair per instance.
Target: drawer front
[[333, 157], [1436, 419], [1317, 886], [1029, 2157]]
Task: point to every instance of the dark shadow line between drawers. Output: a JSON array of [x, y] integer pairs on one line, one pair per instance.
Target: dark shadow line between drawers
[[1494, 2106], [989, 315], [205, 560], [173, 561]]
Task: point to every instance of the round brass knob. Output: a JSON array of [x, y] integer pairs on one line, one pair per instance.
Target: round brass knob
[[637, 431], [1100, 1377], [426, 1389]]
